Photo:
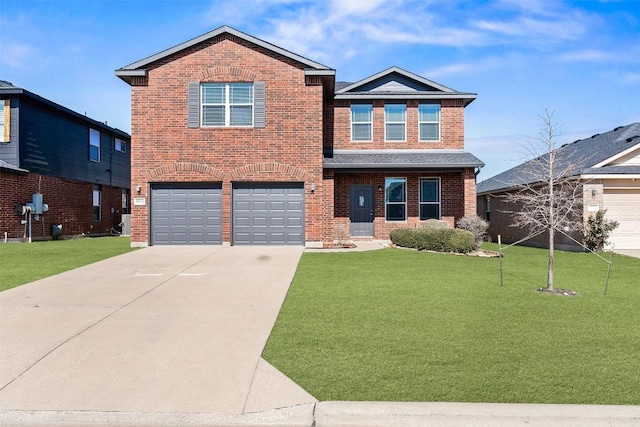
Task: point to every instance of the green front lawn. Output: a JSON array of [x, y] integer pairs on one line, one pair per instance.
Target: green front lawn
[[22, 263], [401, 325]]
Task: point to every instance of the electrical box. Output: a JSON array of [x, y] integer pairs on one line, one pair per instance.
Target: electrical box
[[37, 203]]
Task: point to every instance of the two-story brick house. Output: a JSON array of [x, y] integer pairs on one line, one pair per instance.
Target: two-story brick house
[[76, 165], [237, 140]]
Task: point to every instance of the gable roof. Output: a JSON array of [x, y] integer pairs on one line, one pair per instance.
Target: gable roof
[[7, 89], [138, 68], [400, 159], [394, 82], [584, 156]]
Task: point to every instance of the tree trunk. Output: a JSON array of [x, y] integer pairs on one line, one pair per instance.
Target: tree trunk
[[550, 271], [552, 219]]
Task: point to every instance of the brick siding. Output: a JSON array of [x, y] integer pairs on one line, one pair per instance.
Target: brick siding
[[500, 221], [453, 205], [70, 204], [451, 118], [288, 148]]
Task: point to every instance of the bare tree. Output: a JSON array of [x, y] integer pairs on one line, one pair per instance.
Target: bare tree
[[549, 198]]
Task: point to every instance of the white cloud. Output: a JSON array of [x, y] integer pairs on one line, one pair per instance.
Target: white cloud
[[589, 55], [17, 55], [354, 7], [631, 78], [542, 30]]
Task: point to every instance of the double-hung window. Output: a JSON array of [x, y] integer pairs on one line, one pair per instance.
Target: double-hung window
[[395, 199], [429, 198], [97, 202], [395, 122], [429, 122], [94, 145], [227, 104], [361, 122], [120, 145], [5, 121]]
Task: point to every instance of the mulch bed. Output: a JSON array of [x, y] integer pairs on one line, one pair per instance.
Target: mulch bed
[[564, 292]]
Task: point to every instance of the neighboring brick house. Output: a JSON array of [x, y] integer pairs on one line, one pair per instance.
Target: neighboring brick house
[[77, 166], [608, 165], [237, 140]]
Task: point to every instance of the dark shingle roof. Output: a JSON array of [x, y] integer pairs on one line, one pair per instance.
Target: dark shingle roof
[[404, 159], [341, 85], [8, 89], [396, 83], [8, 167], [580, 157], [613, 170]]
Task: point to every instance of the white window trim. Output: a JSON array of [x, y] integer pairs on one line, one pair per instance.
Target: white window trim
[[370, 123], [403, 122], [97, 198], [92, 134], [227, 106], [439, 202], [405, 203], [123, 145], [439, 122]]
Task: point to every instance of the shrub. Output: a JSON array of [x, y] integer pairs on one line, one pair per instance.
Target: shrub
[[597, 230], [432, 223], [476, 225], [434, 239]]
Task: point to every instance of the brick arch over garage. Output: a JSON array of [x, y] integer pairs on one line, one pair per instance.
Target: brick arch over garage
[[236, 73], [181, 170], [270, 171]]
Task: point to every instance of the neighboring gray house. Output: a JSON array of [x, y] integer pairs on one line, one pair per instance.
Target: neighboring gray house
[[79, 167], [609, 164]]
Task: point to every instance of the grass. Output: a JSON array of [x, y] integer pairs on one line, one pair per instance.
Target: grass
[[400, 325], [22, 263]]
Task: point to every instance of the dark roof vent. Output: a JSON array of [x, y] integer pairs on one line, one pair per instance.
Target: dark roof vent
[[632, 138], [618, 128]]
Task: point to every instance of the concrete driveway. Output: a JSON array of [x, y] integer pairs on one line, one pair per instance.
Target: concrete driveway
[[172, 336], [159, 330]]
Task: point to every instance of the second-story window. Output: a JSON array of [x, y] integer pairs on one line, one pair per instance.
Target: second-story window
[[429, 117], [227, 104], [361, 122], [94, 145], [395, 122], [120, 145]]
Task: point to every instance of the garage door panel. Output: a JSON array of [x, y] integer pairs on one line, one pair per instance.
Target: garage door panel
[[186, 214], [623, 206], [275, 214]]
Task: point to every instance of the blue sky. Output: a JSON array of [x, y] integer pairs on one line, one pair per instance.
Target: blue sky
[[580, 59]]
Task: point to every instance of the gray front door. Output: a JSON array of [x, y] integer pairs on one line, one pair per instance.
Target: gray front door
[[361, 210]]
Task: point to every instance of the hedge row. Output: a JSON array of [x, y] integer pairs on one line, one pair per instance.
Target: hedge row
[[434, 239]]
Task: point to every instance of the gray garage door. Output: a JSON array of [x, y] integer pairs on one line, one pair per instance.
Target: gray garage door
[[186, 214], [268, 214]]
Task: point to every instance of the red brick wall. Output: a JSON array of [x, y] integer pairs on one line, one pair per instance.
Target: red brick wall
[[289, 148], [452, 186], [452, 128], [500, 224], [70, 204]]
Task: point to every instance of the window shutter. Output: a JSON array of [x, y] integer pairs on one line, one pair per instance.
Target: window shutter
[[193, 119], [258, 104]]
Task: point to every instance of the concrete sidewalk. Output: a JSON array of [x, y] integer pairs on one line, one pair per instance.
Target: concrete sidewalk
[[159, 330]]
